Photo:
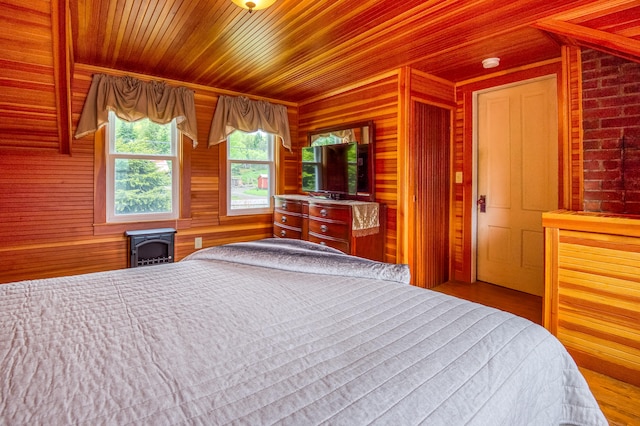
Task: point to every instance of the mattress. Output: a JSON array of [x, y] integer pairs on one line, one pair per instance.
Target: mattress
[[274, 332]]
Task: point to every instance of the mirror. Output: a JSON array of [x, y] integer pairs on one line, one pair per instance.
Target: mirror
[[323, 162]]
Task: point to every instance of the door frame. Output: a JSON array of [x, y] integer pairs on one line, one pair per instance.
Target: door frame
[[415, 195], [474, 149]]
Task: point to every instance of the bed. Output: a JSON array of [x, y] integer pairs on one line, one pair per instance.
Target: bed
[[274, 331]]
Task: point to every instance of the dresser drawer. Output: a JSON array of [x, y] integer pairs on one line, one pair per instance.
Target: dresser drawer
[[327, 222], [341, 245], [337, 230], [286, 218], [293, 206], [281, 231], [334, 213]]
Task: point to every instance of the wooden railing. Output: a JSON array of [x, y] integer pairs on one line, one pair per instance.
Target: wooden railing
[[592, 289]]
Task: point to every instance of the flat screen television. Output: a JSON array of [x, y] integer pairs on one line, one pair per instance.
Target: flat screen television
[[337, 171]]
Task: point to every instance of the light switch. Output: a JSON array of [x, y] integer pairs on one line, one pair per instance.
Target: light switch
[[458, 177]]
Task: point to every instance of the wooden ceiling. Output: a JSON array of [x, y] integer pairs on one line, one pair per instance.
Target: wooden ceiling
[[292, 51], [298, 49]]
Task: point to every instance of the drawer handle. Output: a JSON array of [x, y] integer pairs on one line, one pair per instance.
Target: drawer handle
[[284, 205], [322, 243], [324, 228], [283, 233], [323, 212], [284, 219]]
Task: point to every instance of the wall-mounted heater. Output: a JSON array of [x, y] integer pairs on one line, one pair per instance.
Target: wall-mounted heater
[[151, 246]]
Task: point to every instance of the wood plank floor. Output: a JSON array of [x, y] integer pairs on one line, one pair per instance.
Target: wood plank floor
[[619, 401]]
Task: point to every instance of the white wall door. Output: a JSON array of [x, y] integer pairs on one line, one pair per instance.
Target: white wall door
[[517, 132]]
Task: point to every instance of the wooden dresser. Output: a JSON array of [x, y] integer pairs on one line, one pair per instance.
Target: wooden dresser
[[592, 290], [289, 218], [329, 222]]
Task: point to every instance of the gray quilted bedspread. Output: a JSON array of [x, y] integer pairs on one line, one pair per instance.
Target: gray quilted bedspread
[[212, 341]]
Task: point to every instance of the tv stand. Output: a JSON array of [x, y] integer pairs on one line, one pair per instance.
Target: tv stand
[[333, 223]]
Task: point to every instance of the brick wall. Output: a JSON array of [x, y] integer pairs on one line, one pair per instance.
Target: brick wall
[[611, 121]]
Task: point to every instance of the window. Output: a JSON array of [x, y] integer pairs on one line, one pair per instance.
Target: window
[[250, 172], [142, 171]]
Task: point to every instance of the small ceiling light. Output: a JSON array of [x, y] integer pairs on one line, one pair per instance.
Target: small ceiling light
[[254, 5], [491, 62]]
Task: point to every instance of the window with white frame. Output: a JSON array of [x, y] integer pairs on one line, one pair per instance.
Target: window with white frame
[[250, 172], [142, 170]]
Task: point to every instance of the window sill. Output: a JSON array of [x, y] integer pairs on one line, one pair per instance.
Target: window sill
[[249, 218]]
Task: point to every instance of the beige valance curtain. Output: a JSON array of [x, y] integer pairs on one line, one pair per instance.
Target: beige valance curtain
[[240, 113], [132, 99], [346, 136]]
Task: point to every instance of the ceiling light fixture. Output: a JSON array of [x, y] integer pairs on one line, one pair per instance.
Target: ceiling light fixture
[[254, 5], [490, 62]]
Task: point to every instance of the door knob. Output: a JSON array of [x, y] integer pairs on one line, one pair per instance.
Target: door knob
[[482, 203]]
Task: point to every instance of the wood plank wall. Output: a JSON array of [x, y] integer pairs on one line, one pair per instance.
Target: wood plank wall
[[47, 209], [386, 100], [28, 108], [592, 296], [48, 200], [377, 100], [572, 81], [432, 90]]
